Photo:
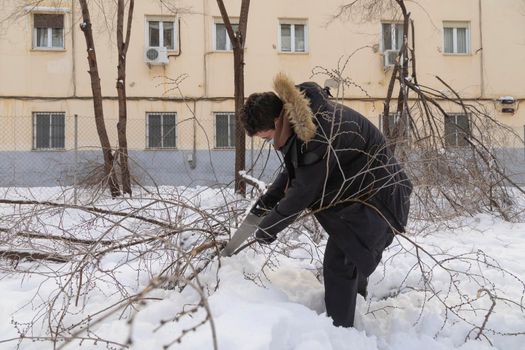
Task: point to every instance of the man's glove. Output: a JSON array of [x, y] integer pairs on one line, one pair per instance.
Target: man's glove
[[264, 237], [264, 205]]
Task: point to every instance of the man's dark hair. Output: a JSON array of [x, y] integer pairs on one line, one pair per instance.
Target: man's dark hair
[[260, 111]]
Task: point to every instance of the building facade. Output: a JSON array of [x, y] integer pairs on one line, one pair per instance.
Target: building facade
[[180, 76]]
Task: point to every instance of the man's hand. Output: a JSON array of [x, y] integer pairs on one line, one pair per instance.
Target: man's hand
[[263, 237], [263, 205]]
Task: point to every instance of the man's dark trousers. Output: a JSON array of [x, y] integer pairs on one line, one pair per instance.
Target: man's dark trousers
[[342, 283], [342, 279]]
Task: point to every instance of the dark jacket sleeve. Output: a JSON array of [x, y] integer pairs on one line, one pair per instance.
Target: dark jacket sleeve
[[276, 190], [306, 187]]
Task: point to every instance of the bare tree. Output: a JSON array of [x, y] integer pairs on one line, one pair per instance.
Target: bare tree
[[469, 178], [238, 39], [122, 45], [86, 27]]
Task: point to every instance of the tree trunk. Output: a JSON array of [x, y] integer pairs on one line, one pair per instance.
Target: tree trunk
[[122, 45], [399, 130], [240, 136], [238, 40], [96, 89]]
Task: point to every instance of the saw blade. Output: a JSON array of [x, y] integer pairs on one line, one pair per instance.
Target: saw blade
[[247, 228]]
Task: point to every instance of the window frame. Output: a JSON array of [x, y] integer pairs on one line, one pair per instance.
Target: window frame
[[49, 46], [393, 32], [161, 20], [391, 115], [293, 23], [34, 145], [230, 131], [395, 116], [457, 130], [454, 25], [229, 46], [161, 147]]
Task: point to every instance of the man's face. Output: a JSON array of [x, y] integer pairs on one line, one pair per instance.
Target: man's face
[[267, 135]]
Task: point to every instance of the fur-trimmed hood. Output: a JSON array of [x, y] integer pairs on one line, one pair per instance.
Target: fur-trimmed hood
[[296, 107]]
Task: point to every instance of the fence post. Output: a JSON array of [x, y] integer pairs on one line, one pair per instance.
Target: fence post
[[75, 199], [251, 156]]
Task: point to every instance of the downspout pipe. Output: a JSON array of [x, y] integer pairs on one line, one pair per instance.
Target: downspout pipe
[[73, 61], [481, 60]]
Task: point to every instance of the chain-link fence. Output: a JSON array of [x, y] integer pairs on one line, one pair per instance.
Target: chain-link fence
[[47, 149]]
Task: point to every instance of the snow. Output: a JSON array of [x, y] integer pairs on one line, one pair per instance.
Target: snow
[[260, 184], [263, 300], [46, 9]]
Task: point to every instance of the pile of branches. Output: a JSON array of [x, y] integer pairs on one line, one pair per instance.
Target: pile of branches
[[167, 236]]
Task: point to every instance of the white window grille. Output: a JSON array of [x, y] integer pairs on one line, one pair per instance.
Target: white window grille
[[48, 130], [391, 122], [225, 130], [457, 130], [161, 130]]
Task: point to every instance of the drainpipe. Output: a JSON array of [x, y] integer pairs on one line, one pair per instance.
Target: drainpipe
[[205, 56], [481, 61], [74, 68], [193, 163]]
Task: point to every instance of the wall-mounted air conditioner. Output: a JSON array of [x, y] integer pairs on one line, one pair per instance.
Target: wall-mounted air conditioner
[[507, 104], [156, 55]]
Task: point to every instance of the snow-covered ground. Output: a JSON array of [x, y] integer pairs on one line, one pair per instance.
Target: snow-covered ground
[[263, 299]]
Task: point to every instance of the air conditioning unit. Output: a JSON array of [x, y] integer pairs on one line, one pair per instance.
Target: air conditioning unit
[[507, 104], [156, 55], [389, 58]]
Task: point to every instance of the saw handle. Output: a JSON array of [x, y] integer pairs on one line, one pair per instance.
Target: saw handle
[[264, 204]]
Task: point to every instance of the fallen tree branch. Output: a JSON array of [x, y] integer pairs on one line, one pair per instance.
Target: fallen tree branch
[[32, 256]]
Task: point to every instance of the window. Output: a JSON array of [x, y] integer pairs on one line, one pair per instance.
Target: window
[[48, 130], [48, 31], [161, 33], [224, 130], [293, 37], [392, 36], [457, 128], [161, 130], [456, 38], [392, 121], [222, 40]]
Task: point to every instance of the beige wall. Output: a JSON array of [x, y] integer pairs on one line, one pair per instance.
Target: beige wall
[[27, 74]]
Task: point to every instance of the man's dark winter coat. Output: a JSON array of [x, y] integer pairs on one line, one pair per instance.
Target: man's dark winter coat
[[338, 166]]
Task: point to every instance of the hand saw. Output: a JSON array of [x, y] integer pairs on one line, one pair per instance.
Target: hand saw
[[245, 230]]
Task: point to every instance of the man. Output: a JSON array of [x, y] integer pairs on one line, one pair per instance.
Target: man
[[338, 166]]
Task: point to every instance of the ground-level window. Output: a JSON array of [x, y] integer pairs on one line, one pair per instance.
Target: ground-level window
[[392, 120], [457, 130], [456, 37], [293, 36], [48, 31], [225, 130], [387, 125], [48, 130], [222, 40], [161, 130], [161, 33]]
